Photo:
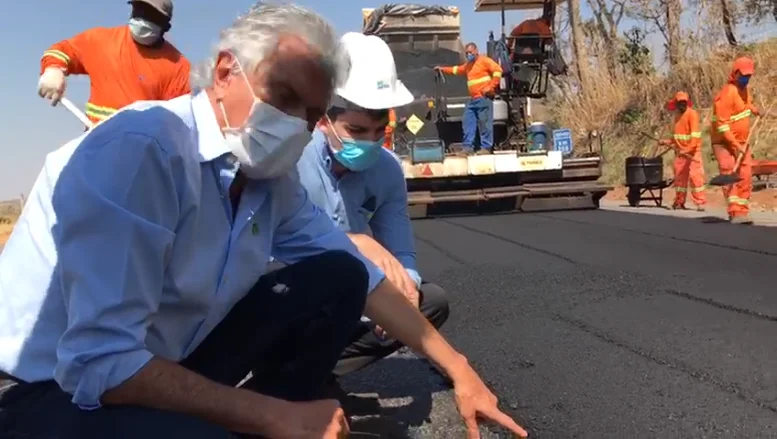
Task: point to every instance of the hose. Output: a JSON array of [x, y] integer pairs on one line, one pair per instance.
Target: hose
[[502, 54]]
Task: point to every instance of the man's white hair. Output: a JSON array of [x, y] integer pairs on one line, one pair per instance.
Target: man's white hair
[[254, 35]]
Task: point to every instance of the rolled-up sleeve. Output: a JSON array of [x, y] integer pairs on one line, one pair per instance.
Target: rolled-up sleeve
[[391, 227], [116, 207], [304, 230]]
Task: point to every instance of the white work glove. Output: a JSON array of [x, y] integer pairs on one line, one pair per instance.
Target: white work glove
[[52, 84]]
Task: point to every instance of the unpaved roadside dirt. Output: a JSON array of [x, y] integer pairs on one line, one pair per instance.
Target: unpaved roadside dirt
[[761, 201]]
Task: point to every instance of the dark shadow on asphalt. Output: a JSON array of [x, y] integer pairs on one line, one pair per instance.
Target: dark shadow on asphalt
[[404, 384]]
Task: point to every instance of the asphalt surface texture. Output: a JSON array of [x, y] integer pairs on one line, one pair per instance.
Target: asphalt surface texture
[[592, 324]]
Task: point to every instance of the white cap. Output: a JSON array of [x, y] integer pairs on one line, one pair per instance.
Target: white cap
[[372, 82]]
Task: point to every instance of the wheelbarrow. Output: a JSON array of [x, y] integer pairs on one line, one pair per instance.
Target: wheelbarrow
[[645, 179]]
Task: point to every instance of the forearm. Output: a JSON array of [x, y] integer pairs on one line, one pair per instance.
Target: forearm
[[164, 385], [387, 307]]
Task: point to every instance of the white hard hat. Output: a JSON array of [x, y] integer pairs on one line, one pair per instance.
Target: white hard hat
[[372, 82]]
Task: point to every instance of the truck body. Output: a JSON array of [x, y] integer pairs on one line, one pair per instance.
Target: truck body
[[422, 37]]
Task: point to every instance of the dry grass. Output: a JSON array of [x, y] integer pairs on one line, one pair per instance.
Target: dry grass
[[9, 213], [625, 106]]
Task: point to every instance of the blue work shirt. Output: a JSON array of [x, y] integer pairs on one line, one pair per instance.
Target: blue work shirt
[[127, 248], [375, 199]]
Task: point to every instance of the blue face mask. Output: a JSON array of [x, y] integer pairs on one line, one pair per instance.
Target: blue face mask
[[470, 57], [742, 81], [356, 155]]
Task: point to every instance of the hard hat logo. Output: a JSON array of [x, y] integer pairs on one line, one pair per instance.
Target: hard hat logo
[[372, 82]]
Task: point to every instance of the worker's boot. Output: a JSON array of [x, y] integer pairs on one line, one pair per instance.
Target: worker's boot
[[678, 207], [741, 219], [460, 150], [700, 208], [483, 151]]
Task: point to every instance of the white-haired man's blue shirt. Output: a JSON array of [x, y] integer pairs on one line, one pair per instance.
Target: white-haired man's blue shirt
[[127, 249], [359, 202]]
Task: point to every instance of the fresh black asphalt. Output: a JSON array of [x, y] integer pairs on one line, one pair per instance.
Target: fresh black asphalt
[[593, 324]]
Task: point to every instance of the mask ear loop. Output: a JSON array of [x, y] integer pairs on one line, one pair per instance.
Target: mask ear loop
[[248, 84], [334, 131]]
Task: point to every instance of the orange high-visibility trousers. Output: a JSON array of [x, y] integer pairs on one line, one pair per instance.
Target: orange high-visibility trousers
[[689, 176], [737, 195]]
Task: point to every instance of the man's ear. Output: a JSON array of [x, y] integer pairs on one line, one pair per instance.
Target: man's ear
[[222, 73]]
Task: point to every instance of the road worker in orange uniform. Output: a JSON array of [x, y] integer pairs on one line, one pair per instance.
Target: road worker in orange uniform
[[483, 76], [125, 64], [388, 140], [686, 141], [730, 130]]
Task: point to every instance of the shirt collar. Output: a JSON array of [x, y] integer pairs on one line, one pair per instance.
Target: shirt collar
[[321, 143], [211, 142]]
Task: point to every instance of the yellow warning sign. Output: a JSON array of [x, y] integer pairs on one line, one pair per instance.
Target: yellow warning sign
[[414, 124]]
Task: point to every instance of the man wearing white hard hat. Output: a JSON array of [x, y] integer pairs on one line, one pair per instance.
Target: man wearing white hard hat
[[360, 185]]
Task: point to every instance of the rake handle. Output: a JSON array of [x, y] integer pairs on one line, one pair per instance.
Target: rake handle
[[747, 146]]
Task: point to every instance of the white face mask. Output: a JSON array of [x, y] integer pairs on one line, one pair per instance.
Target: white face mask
[[144, 32], [270, 142]]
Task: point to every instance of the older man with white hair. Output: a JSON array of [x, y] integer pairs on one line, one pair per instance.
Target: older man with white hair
[[134, 288]]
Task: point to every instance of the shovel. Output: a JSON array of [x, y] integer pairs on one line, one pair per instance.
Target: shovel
[[76, 112], [733, 177]]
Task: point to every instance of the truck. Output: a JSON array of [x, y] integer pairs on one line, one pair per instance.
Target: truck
[[532, 168]]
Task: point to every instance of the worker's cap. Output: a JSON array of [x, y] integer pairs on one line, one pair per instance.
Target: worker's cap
[[165, 7], [372, 81], [744, 65], [680, 96]]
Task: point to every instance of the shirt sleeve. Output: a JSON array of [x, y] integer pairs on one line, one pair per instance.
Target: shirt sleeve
[[723, 111], [67, 54], [695, 130], [495, 70], [461, 69], [116, 208], [305, 230], [391, 226]]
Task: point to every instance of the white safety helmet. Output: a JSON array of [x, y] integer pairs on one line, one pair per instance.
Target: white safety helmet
[[372, 82]]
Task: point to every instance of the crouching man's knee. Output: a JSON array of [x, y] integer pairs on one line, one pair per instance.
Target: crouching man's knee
[[434, 304]]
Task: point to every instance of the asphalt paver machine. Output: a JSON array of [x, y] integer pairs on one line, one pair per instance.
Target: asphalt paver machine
[[523, 173]]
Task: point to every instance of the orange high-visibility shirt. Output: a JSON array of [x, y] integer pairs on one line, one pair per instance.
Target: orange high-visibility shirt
[[482, 74], [389, 132], [687, 132], [731, 116], [120, 70]]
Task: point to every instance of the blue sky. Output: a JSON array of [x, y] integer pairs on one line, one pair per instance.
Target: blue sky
[[30, 127]]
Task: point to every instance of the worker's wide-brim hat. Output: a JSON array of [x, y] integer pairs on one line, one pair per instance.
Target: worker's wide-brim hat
[[680, 96], [372, 81]]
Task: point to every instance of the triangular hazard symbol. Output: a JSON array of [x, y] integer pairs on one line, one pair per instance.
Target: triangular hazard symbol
[[427, 171]]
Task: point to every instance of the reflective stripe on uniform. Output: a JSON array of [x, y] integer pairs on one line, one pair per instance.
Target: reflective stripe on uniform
[[735, 118], [99, 113], [392, 124], [699, 189], [455, 70], [58, 54], [739, 201], [696, 134], [480, 80], [683, 137]]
